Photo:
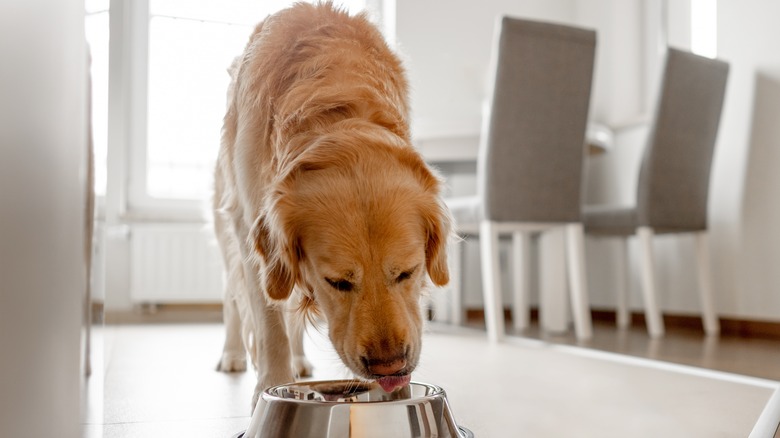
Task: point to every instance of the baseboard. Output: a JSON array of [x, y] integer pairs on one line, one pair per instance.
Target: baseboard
[[180, 313], [212, 312], [728, 326]]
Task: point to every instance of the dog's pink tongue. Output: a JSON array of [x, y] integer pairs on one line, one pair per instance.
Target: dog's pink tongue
[[391, 383]]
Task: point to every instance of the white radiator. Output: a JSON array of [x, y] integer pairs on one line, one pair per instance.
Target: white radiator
[[174, 263]]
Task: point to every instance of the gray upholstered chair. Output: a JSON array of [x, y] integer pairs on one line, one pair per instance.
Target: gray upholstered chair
[[673, 184], [530, 160]]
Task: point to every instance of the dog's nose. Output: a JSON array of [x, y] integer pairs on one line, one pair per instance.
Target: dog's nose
[[385, 367]]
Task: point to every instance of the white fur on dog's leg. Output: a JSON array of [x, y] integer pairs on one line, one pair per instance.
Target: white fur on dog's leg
[[234, 353], [295, 327], [272, 351]]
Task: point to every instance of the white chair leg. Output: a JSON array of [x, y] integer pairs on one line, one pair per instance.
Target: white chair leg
[[655, 323], [491, 281], [521, 253], [709, 317], [553, 312], [623, 284], [456, 275], [578, 285]]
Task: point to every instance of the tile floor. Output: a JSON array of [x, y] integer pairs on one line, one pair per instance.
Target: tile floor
[[158, 380]]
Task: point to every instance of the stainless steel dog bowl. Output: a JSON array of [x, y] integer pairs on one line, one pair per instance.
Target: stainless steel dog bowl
[[352, 408]]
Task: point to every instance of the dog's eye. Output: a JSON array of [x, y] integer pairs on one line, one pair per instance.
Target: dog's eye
[[404, 275], [340, 285]]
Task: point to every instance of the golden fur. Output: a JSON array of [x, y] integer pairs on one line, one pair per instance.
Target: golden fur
[[320, 197]]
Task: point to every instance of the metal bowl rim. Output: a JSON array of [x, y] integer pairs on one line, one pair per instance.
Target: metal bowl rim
[[437, 392], [464, 432]]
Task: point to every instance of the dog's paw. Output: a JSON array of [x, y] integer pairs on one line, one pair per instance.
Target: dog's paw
[[302, 367], [232, 363], [255, 399]]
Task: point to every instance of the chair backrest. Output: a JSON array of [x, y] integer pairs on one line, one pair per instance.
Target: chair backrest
[[674, 177], [532, 143]]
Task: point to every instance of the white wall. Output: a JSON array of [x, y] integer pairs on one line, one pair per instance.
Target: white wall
[[42, 195], [618, 93], [446, 47], [746, 180]]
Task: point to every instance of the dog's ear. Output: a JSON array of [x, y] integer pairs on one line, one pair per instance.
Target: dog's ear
[[436, 218], [277, 247], [438, 227], [435, 215], [273, 233]]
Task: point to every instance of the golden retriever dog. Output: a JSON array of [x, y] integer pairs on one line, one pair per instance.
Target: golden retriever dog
[[321, 203]]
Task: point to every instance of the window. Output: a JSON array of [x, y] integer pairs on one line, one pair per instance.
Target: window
[[190, 46], [96, 30], [704, 27]]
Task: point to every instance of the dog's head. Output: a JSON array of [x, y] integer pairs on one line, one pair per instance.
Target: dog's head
[[356, 222]]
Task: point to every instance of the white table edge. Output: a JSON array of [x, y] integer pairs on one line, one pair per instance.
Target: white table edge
[[768, 423]]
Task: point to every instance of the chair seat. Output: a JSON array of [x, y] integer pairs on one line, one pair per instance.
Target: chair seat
[[467, 213], [609, 220]]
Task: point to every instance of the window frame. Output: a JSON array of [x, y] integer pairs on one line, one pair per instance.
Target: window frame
[[139, 203], [126, 192]]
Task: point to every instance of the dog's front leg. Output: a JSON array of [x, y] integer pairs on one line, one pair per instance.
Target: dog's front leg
[[233, 353], [233, 357], [271, 343], [295, 327]]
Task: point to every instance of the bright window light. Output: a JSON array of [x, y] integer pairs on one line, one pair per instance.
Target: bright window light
[[704, 27], [191, 45], [96, 29], [188, 77]]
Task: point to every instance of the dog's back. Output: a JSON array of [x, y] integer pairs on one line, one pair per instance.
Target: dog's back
[[308, 67]]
